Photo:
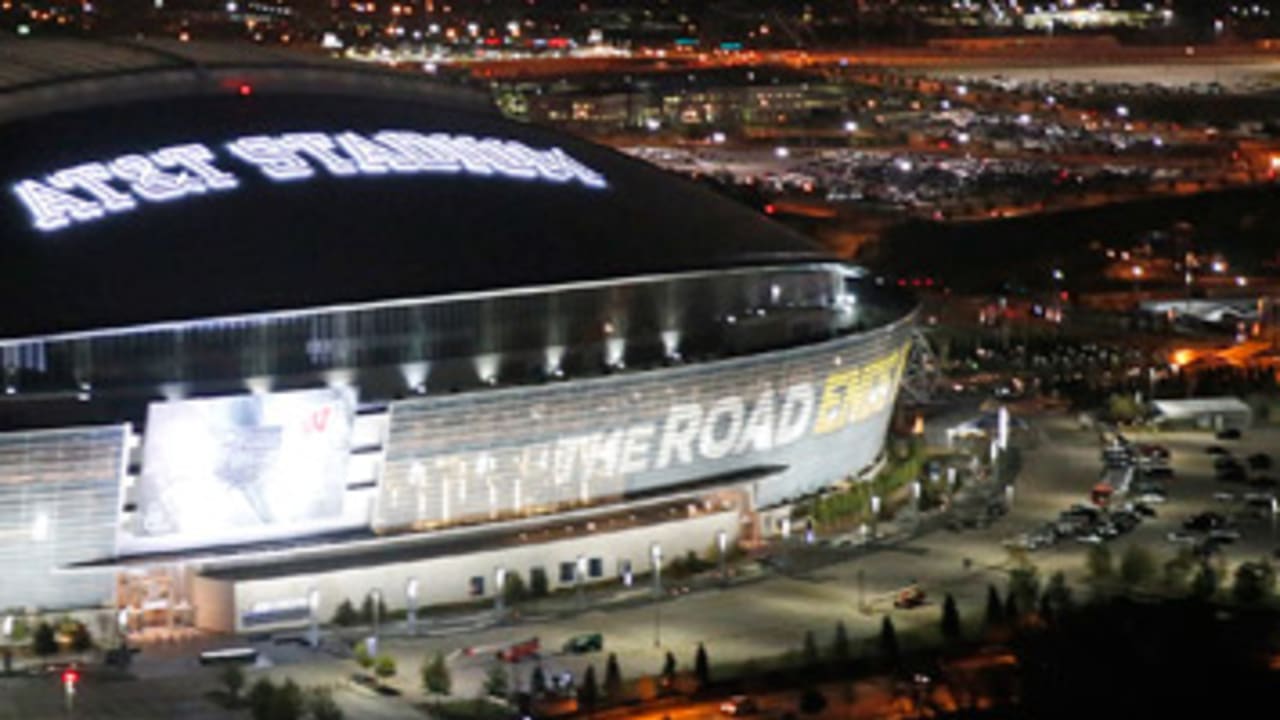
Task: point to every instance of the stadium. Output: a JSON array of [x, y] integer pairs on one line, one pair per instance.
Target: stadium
[[280, 332]]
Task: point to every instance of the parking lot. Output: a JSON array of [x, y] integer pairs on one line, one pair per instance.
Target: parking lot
[[1070, 464]]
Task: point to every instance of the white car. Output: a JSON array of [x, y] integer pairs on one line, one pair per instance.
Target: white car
[[1181, 538]]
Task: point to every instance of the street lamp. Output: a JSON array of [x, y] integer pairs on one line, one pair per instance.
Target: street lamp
[[655, 561], [313, 611], [722, 542], [411, 603], [499, 587]]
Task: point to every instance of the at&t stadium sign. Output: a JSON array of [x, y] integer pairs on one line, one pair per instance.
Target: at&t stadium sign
[[90, 191]]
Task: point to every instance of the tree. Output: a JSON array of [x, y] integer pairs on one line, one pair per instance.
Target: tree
[[366, 609], [1024, 585], [44, 642], [321, 705], [513, 589], [362, 656], [812, 701], [435, 676], [950, 619], [345, 614], [1012, 612], [81, 640], [1254, 583], [810, 649], [995, 609], [701, 666], [668, 669], [261, 695], [612, 679], [1177, 572], [1205, 583], [538, 582], [1137, 567], [840, 644], [232, 678], [538, 681], [384, 667], [495, 681], [889, 652], [287, 701], [588, 692], [1099, 563], [1058, 594]]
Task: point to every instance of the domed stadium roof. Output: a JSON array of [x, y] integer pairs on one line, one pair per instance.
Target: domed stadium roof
[[147, 182]]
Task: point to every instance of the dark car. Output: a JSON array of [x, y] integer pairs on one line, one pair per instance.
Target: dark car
[[1204, 522], [1263, 481], [1223, 462], [1259, 461], [1228, 434], [1143, 509], [588, 642], [1216, 450], [1232, 473], [1125, 521], [1160, 471]]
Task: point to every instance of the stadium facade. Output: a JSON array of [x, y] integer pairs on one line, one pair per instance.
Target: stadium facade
[[280, 333]]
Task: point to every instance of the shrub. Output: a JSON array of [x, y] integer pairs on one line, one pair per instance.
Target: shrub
[[435, 676], [384, 667], [232, 678], [44, 642], [362, 656], [321, 705]]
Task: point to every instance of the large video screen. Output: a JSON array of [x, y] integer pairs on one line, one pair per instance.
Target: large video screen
[[225, 470]]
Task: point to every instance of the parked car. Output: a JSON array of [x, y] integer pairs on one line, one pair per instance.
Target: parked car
[[1228, 434], [516, 652], [1259, 461], [587, 642], [910, 597], [1216, 450], [739, 705]]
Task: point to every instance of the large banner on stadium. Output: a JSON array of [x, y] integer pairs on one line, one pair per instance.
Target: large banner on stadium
[[224, 470], [808, 416]]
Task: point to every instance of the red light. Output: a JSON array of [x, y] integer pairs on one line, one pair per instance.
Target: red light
[[1064, 296], [70, 676], [244, 90], [770, 209], [915, 282], [928, 282], [492, 41], [944, 145], [902, 282]]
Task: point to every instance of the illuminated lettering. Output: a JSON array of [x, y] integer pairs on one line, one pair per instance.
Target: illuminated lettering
[[59, 200], [831, 411], [795, 415], [375, 158], [197, 160], [271, 157], [53, 209], [319, 147], [95, 179], [757, 433], [720, 427], [678, 434], [635, 449], [431, 154], [150, 182]]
